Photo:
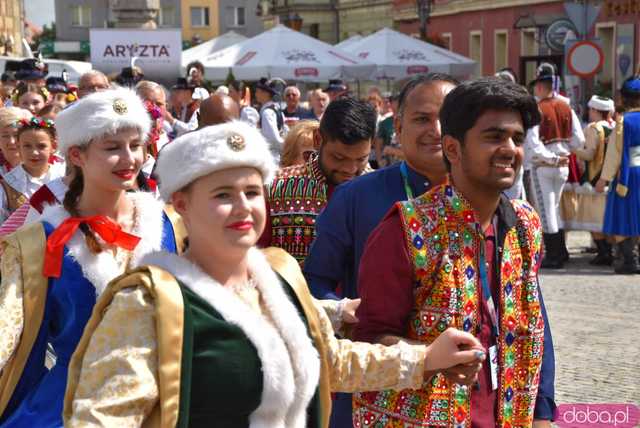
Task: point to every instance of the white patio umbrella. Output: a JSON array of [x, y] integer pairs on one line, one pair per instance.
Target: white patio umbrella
[[205, 49], [397, 56], [348, 42], [285, 53]]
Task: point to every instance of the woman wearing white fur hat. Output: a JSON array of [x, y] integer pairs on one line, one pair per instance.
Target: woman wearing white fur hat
[[53, 270], [591, 204], [227, 335]]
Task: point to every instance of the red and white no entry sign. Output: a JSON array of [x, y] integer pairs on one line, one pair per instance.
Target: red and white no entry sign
[[585, 59]]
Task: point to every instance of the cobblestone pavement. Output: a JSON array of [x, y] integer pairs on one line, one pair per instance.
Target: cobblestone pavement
[[595, 321]]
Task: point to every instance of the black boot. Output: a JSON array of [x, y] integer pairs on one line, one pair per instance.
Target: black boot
[[604, 256], [629, 260], [562, 246], [552, 258]]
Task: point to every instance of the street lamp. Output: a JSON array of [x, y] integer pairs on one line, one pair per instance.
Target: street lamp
[[424, 12]]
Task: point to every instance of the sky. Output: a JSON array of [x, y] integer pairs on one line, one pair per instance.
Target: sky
[[40, 12]]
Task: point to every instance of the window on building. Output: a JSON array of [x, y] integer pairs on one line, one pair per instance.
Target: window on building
[[446, 40], [528, 47], [81, 16], [167, 16], [199, 16], [606, 33], [239, 17], [314, 30], [501, 49], [475, 50]]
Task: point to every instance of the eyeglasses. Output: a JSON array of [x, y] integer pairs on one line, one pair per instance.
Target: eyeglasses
[[290, 95]]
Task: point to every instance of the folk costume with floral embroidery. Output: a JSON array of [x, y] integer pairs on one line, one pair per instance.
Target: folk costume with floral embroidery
[[444, 240]]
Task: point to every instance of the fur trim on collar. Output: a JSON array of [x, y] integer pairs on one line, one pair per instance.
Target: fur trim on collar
[[290, 363], [101, 268]]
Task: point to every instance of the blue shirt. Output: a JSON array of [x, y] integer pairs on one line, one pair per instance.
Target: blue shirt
[[342, 230]]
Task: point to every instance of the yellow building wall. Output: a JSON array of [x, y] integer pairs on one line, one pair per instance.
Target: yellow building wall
[[205, 33], [364, 17]]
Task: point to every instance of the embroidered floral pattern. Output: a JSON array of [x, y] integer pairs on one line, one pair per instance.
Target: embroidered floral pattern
[[443, 237], [11, 317]]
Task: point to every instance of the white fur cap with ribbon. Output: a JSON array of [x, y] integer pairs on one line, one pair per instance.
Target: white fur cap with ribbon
[[100, 114], [210, 149], [601, 103]]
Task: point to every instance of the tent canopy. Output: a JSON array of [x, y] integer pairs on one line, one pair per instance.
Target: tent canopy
[[348, 42], [398, 56], [210, 46], [285, 53]]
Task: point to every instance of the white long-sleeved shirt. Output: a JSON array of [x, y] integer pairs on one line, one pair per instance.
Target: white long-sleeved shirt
[[538, 153]]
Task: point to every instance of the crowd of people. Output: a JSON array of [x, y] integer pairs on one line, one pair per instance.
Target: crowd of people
[[234, 256]]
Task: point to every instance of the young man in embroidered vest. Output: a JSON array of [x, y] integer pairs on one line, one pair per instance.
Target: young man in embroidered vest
[[464, 255], [560, 132], [356, 208], [621, 171]]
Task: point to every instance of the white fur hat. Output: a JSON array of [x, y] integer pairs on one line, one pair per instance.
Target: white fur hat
[[101, 114], [213, 148], [601, 103]]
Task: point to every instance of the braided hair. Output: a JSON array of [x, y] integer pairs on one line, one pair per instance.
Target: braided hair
[[70, 203]]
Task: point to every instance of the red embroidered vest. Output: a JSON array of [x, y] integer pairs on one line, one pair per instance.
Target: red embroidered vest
[[556, 124], [296, 196], [444, 238]]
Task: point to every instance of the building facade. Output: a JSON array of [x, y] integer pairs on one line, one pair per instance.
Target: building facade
[[11, 19], [240, 16], [329, 20], [513, 33]]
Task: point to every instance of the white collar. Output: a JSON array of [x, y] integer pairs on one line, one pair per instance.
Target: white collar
[[290, 363], [101, 268]]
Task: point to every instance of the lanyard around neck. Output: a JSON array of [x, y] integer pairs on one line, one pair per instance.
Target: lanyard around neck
[[405, 180], [484, 279]]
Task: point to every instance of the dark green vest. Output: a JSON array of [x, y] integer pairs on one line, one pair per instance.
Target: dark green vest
[[221, 371]]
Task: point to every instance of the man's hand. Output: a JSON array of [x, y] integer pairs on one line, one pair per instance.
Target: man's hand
[[541, 423], [563, 161], [600, 185]]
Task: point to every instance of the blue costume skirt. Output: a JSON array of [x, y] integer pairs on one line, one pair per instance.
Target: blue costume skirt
[[622, 215]]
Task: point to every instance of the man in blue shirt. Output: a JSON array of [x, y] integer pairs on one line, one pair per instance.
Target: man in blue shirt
[[358, 206]]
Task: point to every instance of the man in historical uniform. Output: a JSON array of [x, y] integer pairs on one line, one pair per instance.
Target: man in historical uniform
[[621, 171], [560, 132]]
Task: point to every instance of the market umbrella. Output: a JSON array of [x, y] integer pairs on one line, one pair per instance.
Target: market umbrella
[[205, 49], [398, 56], [348, 42], [285, 53]]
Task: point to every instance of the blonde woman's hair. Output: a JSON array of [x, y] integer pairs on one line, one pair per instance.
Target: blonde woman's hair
[[10, 115], [304, 128]]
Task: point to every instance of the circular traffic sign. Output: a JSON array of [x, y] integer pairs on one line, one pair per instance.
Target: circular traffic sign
[[557, 32], [585, 59]]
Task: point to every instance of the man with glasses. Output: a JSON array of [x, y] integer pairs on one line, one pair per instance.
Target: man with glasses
[[92, 81]]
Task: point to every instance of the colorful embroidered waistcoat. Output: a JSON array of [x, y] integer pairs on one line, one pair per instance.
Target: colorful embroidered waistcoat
[[444, 239], [296, 196], [556, 124]]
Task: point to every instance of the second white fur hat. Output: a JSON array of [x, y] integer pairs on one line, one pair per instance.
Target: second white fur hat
[[213, 148]]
